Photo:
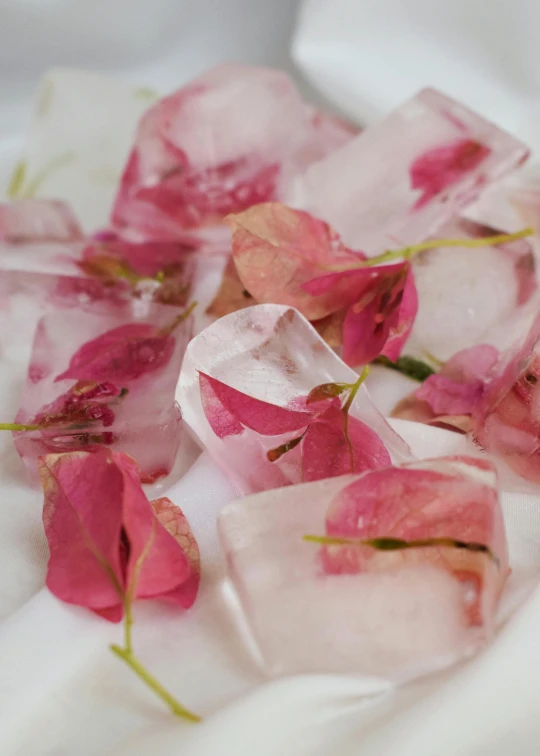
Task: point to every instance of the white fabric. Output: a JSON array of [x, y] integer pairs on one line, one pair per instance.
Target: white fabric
[[61, 691]]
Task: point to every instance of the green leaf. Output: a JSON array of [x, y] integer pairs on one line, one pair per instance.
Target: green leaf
[[409, 366]]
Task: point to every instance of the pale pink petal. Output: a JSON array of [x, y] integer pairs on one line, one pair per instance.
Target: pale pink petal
[[277, 250]]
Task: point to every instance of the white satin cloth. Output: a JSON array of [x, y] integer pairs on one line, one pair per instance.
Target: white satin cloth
[[61, 691]]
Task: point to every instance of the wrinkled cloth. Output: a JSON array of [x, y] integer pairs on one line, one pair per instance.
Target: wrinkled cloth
[[61, 691]]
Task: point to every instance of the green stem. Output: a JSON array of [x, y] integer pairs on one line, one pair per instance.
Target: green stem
[[179, 319], [406, 253], [18, 427], [346, 407], [394, 544], [131, 660]]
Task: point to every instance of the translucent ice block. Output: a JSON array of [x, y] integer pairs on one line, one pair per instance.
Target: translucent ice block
[[79, 139], [265, 360], [423, 595], [102, 377], [230, 139], [400, 180]]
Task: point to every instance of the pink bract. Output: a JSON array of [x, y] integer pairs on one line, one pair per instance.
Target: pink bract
[[399, 181], [106, 538], [140, 416], [353, 609], [254, 369]]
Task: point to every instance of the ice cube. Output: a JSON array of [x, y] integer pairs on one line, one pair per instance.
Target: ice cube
[[358, 609], [102, 377], [400, 180], [264, 354]]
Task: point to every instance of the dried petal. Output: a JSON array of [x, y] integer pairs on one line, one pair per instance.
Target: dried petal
[[175, 522], [277, 250]]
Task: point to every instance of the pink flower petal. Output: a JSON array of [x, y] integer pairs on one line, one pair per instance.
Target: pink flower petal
[[444, 498], [121, 355], [175, 522], [370, 322], [408, 308], [440, 167], [460, 385], [326, 452], [277, 250], [103, 534], [262, 417], [222, 422]]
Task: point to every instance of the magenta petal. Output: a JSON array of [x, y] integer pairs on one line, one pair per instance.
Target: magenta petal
[[121, 355], [398, 337], [222, 422], [262, 417], [326, 452], [442, 166], [83, 516]]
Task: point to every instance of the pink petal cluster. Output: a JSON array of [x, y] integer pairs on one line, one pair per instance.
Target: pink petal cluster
[[326, 446], [107, 540], [287, 256]]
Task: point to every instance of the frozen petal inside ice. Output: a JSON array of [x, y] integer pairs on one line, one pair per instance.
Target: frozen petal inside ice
[[394, 613], [72, 411], [269, 353], [215, 147], [400, 180]]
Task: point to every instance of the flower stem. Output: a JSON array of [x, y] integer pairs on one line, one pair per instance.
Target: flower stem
[[406, 253], [394, 544], [346, 407], [18, 427], [179, 319], [131, 660]]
